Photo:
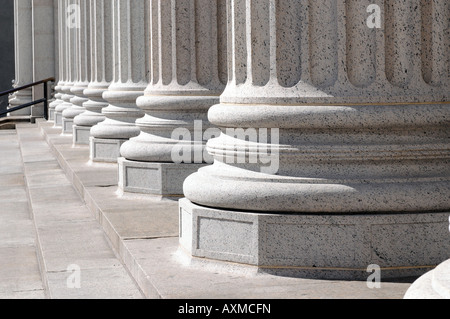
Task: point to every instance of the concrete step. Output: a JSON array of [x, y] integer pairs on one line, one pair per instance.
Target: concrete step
[[75, 258], [20, 275], [143, 231], [9, 122]]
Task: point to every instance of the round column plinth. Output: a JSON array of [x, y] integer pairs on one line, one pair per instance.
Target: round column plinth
[[59, 109], [69, 114], [18, 99], [93, 107], [158, 127], [334, 147], [130, 69], [121, 115], [58, 100], [328, 159]]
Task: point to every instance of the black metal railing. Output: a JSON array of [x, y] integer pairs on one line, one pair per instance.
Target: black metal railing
[[23, 106]]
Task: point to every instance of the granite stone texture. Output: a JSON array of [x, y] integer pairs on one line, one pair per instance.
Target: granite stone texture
[[23, 54], [173, 100], [43, 46], [67, 123], [351, 131], [143, 230], [8, 57], [81, 135], [82, 71], [333, 152], [317, 246], [165, 179], [372, 139], [105, 150], [130, 68], [101, 67], [68, 59], [67, 96]]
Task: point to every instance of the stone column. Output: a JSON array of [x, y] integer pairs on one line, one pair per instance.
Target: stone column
[[69, 36], [188, 74], [342, 159], [101, 50], [82, 63], [23, 55], [43, 50], [130, 81], [59, 31]]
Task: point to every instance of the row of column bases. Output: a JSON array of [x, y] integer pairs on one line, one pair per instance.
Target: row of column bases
[[329, 138]]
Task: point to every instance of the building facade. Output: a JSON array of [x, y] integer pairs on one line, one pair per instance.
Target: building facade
[[7, 55], [34, 40], [308, 138]]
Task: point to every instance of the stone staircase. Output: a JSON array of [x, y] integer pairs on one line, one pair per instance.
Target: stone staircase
[[9, 122], [125, 245], [68, 242]]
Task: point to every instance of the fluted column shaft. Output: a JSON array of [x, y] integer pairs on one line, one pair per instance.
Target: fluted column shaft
[[82, 66], [61, 68], [323, 52], [101, 51], [69, 59], [23, 54], [334, 153], [360, 113], [187, 46], [188, 74], [130, 72]]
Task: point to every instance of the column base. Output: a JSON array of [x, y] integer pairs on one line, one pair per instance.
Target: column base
[[67, 125], [164, 179], [15, 102], [81, 135], [105, 150], [51, 115], [319, 246], [58, 119]]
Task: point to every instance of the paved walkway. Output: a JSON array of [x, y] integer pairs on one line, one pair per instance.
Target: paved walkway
[[63, 222], [51, 246], [19, 269]]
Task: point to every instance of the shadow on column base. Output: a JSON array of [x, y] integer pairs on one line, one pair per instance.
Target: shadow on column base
[[165, 179], [67, 125], [318, 246], [81, 135], [105, 150], [58, 119], [51, 114]]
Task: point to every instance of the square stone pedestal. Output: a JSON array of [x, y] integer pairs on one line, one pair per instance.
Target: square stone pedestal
[[81, 135], [58, 119], [164, 179], [51, 115], [319, 246], [105, 150], [67, 126]]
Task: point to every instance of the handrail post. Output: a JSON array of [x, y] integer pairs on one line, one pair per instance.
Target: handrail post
[[43, 100], [46, 101]]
